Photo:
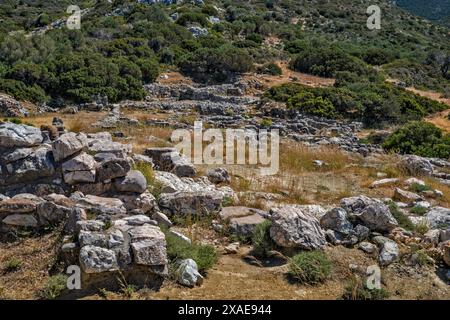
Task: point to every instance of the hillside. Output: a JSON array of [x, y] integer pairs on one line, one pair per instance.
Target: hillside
[[433, 10]]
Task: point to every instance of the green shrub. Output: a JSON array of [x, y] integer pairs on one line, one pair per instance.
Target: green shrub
[[402, 219], [216, 64], [261, 240], [357, 290], [419, 210], [204, 255], [54, 287], [270, 68], [326, 62], [311, 267], [420, 138], [308, 103], [418, 187], [12, 265]]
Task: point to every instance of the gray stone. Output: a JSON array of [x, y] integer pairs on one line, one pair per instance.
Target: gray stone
[[384, 182], [100, 205], [187, 273], [113, 168], [389, 253], [90, 238], [21, 220], [68, 144], [367, 247], [37, 165], [372, 213], [336, 219], [145, 203], [180, 236], [150, 251], [406, 196], [162, 219], [90, 225], [243, 226], [415, 165], [291, 227], [95, 260], [190, 203], [17, 135], [218, 175], [134, 181], [438, 218], [79, 169]]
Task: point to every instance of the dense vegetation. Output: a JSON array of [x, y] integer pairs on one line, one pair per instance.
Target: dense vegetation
[[435, 10], [420, 138], [375, 104]]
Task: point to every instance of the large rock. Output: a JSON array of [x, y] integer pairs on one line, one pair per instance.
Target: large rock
[[406, 196], [388, 253], [10, 107], [18, 205], [169, 159], [170, 183], [293, 228], [39, 164], [218, 175], [17, 135], [134, 181], [113, 168], [21, 220], [149, 245], [371, 213], [79, 169], [143, 203], [191, 203], [187, 273], [50, 213], [243, 226], [100, 205], [336, 219], [415, 165], [95, 259], [69, 144], [438, 218]]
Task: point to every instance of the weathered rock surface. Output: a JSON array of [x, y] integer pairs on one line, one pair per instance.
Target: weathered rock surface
[[438, 218], [68, 144], [14, 135], [187, 273], [370, 212], [133, 182], [79, 169], [293, 228], [95, 259], [190, 203]]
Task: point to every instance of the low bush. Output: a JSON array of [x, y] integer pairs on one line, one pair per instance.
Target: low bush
[[402, 219], [357, 290], [204, 255], [261, 240], [54, 287], [12, 265], [270, 68], [310, 267]]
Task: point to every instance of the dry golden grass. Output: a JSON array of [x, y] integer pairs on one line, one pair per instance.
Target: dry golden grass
[[37, 256], [80, 122]]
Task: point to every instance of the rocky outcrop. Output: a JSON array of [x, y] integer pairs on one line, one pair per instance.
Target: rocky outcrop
[[10, 107], [184, 203], [293, 228], [168, 159], [372, 213]]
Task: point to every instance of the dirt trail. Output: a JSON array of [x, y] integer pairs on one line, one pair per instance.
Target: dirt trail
[[290, 76]]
